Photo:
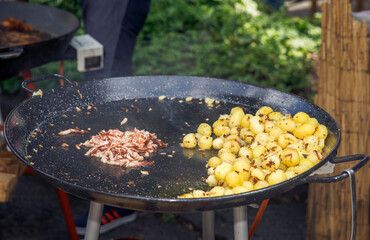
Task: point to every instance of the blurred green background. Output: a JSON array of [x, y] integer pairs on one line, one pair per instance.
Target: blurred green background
[[240, 40]]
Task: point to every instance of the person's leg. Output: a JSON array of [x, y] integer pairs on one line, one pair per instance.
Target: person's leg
[[102, 20], [133, 22]]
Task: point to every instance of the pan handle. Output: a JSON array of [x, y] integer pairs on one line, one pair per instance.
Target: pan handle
[[32, 80], [364, 159], [11, 53]]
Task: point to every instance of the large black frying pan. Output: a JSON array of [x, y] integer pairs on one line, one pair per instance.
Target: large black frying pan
[[31, 131], [61, 24]]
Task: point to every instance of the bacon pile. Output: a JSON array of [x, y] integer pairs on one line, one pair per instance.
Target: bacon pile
[[126, 149]]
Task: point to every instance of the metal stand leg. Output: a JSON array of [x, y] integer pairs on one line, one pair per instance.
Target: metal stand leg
[[94, 221], [240, 223], [208, 222]]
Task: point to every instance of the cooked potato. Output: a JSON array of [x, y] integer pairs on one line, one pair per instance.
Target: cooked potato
[[290, 157], [321, 132], [246, 152], [190, 141], [265, 110], [245, 120], [301, 117], [204, 129], [217, 143], [256, 125], [287, 124], [221, 131], [257, 151], [205, 142], [304, 130], [233, 179], [222, 170], [233, 145], [260, 184], [271, 162], [276, 177], [214, 162]]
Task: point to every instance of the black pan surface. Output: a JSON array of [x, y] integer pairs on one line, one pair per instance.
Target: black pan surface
[[32, 129]]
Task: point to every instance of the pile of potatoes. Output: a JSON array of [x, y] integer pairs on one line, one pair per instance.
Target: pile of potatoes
[[256, 151]]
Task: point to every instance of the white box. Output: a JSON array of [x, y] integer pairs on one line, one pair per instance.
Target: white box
[[90, 53]]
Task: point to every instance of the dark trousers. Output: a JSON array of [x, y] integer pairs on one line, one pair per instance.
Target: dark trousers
[[116, 25]]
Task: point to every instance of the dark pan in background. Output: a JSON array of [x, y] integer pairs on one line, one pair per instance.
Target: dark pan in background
[[61, 24]]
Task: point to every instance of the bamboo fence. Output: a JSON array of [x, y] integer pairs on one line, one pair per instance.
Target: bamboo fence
[[344, 92]]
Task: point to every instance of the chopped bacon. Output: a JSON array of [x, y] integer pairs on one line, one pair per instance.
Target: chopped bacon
[[72, 130], [124, 121], [127, 148]]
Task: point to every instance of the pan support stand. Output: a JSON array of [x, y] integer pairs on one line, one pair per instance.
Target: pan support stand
[[94, 221], [240, 224]]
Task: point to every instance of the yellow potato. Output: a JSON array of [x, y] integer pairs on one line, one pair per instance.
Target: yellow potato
[[222, 170], [313, 121], [236, 118], [220, 122], [217, 191], [301, 117], [276, 116], [290, 174], [245, 120], [315, 157], [233, 179], [304, 130], [265, 110], [306, 162], [212, 181], [258, 151], [242, 167], [205, 142], [217, 143], [214, 162], [248, 185], [221, 131], [233, 145], [276, 177], [260, 184], [256, 125], [240, 189], [199, 194], [258, 173], [227, 157], [237, 110], [276, 132], [204, 129], [321, 132], [290, 157], [246, 152], [271, 162], [246, 135], [285, 139], [269, 125], [287, 124], [190, 141]]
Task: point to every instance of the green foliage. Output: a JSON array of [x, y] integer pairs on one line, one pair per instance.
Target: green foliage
[[240, 40], [225, 39]]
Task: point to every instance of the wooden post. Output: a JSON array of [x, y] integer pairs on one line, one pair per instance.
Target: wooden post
[[344, 92]]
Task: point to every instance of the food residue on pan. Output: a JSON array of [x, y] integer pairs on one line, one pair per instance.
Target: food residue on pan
[[72, 130]]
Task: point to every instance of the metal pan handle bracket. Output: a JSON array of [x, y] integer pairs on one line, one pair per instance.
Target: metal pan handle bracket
[[364, 159], [11, 53], [32, 80], [346, 173]]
